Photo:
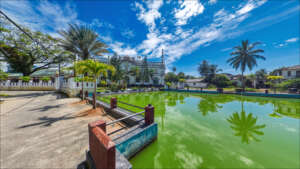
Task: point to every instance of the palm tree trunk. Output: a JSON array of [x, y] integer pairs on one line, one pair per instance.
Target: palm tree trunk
[[82, 87], [94, 96], [243, 83]]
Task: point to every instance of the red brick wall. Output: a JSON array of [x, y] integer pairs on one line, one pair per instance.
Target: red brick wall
[[102, 149]]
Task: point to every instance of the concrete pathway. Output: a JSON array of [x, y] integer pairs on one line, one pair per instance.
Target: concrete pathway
[[45, 130]]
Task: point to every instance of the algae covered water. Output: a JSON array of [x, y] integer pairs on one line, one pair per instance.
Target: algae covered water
[[220, 131]]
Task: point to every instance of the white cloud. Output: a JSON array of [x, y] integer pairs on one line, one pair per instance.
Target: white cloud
[[149, 15], [127, 33], [291, 40], [188, 9], [251, 4], [226, 49], [44, 16], [96, 23], [211, 2]]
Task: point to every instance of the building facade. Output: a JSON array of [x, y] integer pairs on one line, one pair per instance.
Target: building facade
[[156, 67], [288, 73]]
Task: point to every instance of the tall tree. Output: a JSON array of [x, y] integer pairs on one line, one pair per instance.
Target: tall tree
[[145, 70], [245, 56], [82, 41], [25, 55], [116, 61], [208, 71]]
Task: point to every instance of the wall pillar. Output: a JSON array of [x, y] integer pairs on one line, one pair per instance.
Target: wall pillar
[[149, 114], [113, 102], [102, 149]]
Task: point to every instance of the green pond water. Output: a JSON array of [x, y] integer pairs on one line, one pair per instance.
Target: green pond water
[[219, 131]]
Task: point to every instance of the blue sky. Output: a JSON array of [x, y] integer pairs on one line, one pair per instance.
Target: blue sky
[[188, 31]]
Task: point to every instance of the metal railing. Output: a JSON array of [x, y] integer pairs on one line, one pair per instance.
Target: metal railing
[[119, 120], [124, 118]]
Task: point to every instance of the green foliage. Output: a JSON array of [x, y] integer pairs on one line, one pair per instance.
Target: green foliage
[[25, 78], [208, 71], [221, 81], [168, 84], [293, 83], [181, 80], [171, 77], [3, 76], [21, 52], [45, 78], [114, 87], [83, 41], [103, 83]]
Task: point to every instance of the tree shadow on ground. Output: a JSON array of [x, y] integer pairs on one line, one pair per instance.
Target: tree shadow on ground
[[46, 108], [30, 95], [46, 121]]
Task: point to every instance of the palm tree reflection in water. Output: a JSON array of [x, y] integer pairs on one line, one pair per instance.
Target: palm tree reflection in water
[[245, 126]]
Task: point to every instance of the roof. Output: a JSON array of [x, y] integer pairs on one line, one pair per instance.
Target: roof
[[295, 67], [193, 80]]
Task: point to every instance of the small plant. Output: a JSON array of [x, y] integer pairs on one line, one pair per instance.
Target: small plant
[[45, 79], [25, 78], [103, 83], [168, 84]]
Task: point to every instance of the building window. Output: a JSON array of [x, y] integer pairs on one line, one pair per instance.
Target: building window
[[194, 84], [289, 73]]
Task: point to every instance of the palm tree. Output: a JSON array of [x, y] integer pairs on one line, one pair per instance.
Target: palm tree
[[96, 69], [245, 56], [81, 69], [82, 41]]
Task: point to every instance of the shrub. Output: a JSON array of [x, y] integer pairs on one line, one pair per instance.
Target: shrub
[[45, 79], [3, 76], [168, 84], [103, 83], [221, 81], [294, 83], [25, 78], [115, 87]]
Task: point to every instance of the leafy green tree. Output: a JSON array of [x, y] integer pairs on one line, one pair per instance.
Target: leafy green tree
[[25, 55], [273, 81], [261, 77], [145, 71], [208, 71], [171, 77], [82, 41], [221, 81], [245, 56], [116, 61]]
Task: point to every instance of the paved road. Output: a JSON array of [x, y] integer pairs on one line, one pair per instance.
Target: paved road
[[44, 130]]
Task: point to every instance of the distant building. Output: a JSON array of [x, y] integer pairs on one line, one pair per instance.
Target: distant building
[[127, 63], [287, 73], [197, 83]]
